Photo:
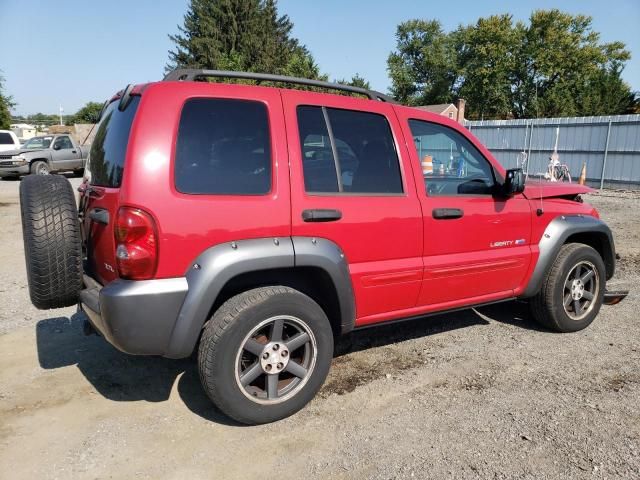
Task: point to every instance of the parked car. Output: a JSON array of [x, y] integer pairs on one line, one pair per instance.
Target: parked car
[[43, 155], [256, 224], [8, 140]]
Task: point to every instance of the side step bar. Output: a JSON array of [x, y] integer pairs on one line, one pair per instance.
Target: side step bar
[[614, 297]]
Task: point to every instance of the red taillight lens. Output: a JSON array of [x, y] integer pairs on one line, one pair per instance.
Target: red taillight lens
[[136, 244]]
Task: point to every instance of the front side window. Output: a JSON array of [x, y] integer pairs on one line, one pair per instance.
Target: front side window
[[347, 151], [223, 148], [450, 164], [63, 143]]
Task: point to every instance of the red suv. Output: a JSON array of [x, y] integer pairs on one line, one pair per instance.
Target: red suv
[[256, 224]]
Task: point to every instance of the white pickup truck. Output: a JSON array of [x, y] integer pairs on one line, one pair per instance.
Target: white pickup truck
[[8, 141], [43, 155]]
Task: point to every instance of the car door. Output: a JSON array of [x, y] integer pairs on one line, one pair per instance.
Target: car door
[[64, 155], [476, 244], [347, 158]]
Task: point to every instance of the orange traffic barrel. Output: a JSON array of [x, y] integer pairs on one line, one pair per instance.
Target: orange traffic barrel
[[427, 165]]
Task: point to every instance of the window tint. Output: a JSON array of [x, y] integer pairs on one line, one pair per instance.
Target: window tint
[[63, 143], [5, 139], [366, 157], [317, 157], [223, 148], [109, 147], [451, 165]]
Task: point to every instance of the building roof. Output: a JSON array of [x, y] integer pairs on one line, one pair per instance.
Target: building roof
[[440, 108]]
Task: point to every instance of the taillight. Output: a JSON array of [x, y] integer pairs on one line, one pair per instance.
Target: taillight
[[136, 244]]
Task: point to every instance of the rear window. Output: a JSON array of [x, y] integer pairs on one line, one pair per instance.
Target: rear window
[[223, 148], [109, 147], [5, 139]]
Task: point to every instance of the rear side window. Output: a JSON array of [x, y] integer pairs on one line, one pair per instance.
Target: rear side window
[[347, 151], [5, 139], [223, 148], [108, 150]]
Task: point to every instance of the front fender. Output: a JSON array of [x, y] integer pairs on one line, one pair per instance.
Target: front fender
[[557, 233]]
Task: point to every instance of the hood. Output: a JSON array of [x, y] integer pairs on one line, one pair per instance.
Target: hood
[[21, 150], [544, 189]]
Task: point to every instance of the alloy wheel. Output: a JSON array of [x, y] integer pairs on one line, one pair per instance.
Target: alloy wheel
[[581, 288], [276, 359]]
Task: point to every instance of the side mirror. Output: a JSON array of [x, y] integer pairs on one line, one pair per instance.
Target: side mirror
[[513, 182], [56, 147]]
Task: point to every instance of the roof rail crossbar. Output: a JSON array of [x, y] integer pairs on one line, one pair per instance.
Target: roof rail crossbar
[[198, 74]]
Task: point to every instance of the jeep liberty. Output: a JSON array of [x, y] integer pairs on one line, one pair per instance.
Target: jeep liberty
[[252, 225]]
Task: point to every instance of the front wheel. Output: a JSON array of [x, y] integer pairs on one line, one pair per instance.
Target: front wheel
[[573, 290], [39, 168], [265, 353]]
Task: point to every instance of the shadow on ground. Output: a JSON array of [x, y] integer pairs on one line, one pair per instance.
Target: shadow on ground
[[126, 378]]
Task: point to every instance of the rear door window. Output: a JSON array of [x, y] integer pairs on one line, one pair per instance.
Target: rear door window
[[109, 148], [348, 151], [223, 148]]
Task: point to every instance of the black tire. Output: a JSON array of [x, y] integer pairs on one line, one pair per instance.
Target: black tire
[[40, 168], [221, 354], [52, 244], [548, 306]]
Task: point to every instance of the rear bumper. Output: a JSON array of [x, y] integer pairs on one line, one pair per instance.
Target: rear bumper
[[136, 317]]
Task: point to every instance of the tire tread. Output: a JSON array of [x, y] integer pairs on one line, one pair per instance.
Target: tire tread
[[52, 243]]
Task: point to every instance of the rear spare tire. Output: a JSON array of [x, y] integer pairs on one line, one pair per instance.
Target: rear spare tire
[[52, 243]]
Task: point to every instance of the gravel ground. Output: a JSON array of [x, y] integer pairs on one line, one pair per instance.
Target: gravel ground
[[475, 394]]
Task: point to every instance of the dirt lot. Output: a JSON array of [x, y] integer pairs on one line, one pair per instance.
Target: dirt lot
[[483, 394]]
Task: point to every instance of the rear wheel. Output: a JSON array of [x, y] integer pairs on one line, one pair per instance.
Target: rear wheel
[[265, 354], [572, 292], [52, 244]]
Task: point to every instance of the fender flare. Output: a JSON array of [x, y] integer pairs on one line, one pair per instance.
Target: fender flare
[[214, 267], [556, 235], [41, 159]]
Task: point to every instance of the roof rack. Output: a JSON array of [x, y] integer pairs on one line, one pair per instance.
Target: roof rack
[[194, 75]]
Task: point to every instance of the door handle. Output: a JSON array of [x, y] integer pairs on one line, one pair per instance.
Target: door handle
[[73, 151], [321, 215], [447, 213]]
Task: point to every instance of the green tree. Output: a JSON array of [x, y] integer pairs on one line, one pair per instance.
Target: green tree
[[486, 57], [6, 104], [555, 65], [423, 69], [87, 114], [241, 35], [356, 81]]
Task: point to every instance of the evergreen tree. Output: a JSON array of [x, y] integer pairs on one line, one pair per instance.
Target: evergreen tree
[[240, 35]]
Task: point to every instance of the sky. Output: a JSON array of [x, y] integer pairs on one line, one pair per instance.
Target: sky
[[69, 52]]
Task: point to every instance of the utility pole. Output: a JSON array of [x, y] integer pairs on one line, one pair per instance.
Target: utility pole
[[61, 110]]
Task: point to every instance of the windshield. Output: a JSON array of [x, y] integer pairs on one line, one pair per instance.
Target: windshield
[[38, 142]]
